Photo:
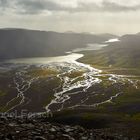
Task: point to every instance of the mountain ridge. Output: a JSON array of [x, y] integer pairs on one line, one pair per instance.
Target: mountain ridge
[[20, 43], [124, 53]]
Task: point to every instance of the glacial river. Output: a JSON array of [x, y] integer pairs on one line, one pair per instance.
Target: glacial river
[[66, 65]]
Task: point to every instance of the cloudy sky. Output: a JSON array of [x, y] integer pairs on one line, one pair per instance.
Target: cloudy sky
[[95, 16]]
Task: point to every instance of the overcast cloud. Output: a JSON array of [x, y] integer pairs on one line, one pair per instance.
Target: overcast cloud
[[38, 6], [62, 15]]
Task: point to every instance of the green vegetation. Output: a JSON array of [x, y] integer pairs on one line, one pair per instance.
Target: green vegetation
[[77, 80], [11, 104], [48, 100], [104, 59], [123, 54], [75, 74], [42, 72], [2, 93], [123, 111]]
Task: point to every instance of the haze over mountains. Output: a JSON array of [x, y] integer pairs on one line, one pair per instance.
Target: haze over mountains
[[19, 43]]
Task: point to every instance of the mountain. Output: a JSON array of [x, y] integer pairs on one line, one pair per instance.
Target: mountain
[[19, 43], [124, 53], [108, 35]]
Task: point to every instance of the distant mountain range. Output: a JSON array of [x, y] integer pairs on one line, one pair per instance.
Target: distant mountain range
[[19, 43]]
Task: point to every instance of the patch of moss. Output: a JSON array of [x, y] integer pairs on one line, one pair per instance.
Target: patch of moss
[[11, 104], [75, 74], [42, 72], [48, 100], [2, 93]]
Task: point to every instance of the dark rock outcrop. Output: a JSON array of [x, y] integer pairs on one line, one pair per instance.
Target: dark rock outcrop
[[40, 129]]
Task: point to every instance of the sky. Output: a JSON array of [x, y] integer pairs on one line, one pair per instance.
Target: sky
[[93, 16]]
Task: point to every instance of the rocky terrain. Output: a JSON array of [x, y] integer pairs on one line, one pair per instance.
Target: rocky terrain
[[39, 129]]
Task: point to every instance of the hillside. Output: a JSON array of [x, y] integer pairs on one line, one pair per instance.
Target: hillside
[[123, 54], [19, 43]]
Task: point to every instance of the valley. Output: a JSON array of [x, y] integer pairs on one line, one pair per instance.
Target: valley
[[66, 84], [83, 87]]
